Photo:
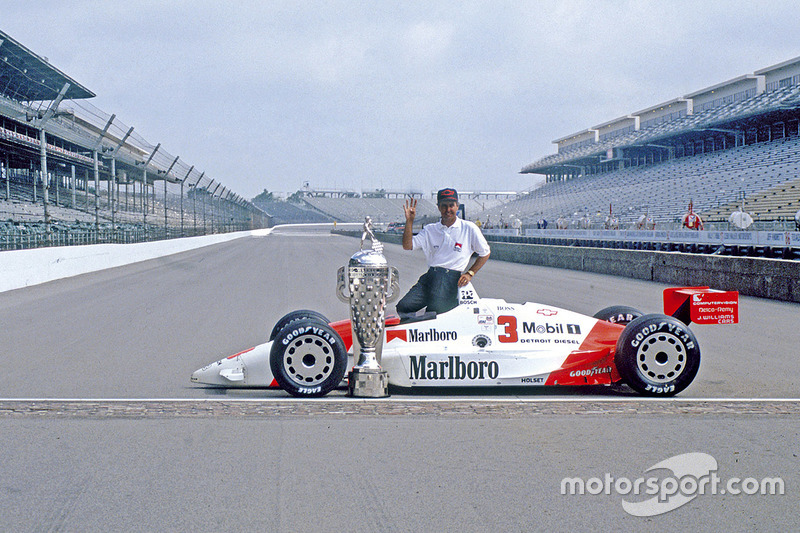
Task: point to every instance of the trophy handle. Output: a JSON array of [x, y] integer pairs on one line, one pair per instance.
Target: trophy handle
[[393, 291], [342, 285]]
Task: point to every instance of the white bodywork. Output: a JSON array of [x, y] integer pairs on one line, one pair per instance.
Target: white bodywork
[[481, 342]]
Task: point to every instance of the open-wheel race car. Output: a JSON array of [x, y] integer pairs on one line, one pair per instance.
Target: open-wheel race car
[[492, 343]]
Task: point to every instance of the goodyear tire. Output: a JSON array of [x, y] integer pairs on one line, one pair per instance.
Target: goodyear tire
[[618, 314], [657, 355], [308, 358], [294, 316]]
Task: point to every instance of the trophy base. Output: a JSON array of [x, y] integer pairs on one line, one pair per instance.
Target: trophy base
[[368, 383]]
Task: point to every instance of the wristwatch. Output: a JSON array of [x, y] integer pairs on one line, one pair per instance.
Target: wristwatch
[[471, 273]]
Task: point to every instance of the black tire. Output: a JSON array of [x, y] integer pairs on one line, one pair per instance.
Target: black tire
[[618, 314], [657, 355], [300, 314], [308, 358]]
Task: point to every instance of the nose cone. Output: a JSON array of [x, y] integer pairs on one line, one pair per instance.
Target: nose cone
[[223, 373], [249, 368]]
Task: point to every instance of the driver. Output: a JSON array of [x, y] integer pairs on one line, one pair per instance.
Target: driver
[[448, 246]]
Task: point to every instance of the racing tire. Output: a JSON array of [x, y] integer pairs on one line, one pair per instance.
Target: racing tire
[[657, 355], [308, 358], [618, 314], [293, 317]]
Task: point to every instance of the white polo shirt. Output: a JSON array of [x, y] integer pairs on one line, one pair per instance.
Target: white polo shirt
[[451, 247]]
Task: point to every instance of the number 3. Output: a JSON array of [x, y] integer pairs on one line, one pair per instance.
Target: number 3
[[510, 322]]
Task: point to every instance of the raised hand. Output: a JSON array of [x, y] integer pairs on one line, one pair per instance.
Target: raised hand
[[410, 209]]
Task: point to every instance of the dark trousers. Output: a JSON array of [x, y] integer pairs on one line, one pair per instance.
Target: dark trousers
[[436, 289]]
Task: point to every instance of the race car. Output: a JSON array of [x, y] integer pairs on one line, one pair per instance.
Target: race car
[[486, 342]]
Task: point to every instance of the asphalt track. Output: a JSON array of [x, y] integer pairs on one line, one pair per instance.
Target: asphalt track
[[102, 430]]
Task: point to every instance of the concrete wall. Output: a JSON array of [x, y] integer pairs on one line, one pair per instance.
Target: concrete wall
[[23, 268], [777, 279], [752, 276]]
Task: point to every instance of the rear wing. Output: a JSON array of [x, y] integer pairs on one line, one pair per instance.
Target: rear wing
[[702, 305]]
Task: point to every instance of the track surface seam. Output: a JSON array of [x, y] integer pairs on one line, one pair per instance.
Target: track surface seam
[[349, 408]]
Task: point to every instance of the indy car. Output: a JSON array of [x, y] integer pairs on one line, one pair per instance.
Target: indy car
[[492, 343]]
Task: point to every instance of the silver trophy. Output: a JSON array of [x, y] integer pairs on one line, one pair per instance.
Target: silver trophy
[[368, 283]]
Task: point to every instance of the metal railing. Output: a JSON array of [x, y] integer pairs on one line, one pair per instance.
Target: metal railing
[[36, 237]]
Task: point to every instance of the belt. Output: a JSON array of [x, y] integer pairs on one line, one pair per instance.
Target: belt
[[443, 269]]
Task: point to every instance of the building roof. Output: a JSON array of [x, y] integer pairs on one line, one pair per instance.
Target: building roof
[[787, 63], [722, 85], [25, 76], [662, 105]]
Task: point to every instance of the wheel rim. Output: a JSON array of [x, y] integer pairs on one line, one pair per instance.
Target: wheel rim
[[308, 360], [661, 358]]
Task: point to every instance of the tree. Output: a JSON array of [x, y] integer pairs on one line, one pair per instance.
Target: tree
[[264, 196], [296, 197]]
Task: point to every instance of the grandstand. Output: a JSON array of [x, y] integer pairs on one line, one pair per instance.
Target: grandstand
[[739, 138], [664, 189], [381, 210], [292, 213], [64, 160], [386, 206], [781, 201]]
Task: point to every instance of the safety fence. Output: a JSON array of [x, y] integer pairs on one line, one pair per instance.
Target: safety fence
[[36, 237], [785, 244]]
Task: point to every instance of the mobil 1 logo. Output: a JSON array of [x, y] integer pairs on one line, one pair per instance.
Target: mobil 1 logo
[[547, 328]]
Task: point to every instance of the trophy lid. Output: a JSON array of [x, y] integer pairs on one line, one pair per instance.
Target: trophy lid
[[368, 258]]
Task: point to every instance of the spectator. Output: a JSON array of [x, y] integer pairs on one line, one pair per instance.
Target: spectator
[[517, 225], [646, 222]]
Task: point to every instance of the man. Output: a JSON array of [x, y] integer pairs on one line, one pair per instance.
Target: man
[[448, 246]]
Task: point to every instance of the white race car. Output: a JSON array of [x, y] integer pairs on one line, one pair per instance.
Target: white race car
[[493, 343], [490, 342]]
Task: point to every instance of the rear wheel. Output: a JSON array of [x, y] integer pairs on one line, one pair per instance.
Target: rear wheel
[[657, 355], [618, 314], [295, 316], [308, 358]]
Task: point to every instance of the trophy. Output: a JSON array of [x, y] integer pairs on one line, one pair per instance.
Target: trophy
[[368, 283]]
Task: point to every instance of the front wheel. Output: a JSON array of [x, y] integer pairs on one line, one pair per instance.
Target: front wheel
[[308, 358], [657, 355]]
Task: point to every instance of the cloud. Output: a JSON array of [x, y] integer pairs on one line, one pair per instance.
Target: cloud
[[427, 43], [273, 94]]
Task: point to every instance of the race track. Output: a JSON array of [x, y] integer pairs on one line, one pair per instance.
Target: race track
[[139, 331], [102, 429]]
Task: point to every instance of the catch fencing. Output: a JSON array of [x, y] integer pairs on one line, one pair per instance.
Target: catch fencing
[[27, 237]]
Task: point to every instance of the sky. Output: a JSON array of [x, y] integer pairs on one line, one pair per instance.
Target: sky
[[410, 96]]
